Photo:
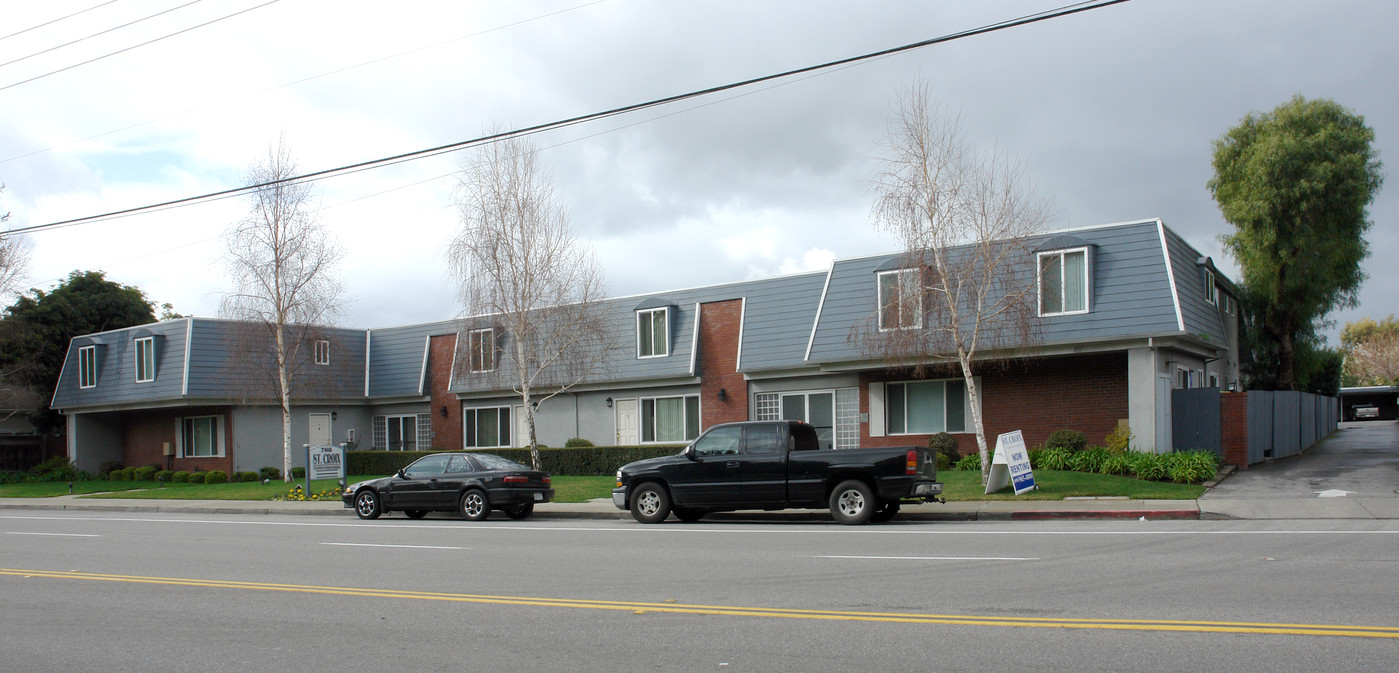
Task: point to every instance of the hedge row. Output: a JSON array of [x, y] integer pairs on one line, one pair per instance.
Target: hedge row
[[575, 461]]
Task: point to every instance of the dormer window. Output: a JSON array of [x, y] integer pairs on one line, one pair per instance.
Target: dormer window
[[1209, 287], [899, 300], [1063, 281], [653, 332], [322, 352], [481, 343], [145, 359], [87, 367]]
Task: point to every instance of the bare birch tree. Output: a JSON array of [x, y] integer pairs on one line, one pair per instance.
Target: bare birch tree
[[531, 287], [963, 218], [15, 251], [284, 267]]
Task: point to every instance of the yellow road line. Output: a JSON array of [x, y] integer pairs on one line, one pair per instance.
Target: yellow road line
[[1260, 628]]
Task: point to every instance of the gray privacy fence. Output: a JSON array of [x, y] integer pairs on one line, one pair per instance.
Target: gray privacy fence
[[1248, 428]]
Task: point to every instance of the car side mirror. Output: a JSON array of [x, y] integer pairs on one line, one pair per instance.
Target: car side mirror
[[689, 452], [400, 474]]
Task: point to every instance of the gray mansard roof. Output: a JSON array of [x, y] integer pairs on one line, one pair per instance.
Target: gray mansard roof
[[1145, 281]]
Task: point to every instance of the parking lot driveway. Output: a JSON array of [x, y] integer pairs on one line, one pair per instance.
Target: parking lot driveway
[[1361, 460]]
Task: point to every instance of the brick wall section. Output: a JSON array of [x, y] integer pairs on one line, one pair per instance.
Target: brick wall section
[[1087, 393], [144, 437], [718, 364], [446, 430], [1233, 428]]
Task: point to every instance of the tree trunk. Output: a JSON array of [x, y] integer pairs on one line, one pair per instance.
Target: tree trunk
[[964, 359], [285, 391]]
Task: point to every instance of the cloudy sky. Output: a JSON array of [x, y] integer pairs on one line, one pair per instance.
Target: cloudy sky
[[1112, 113]]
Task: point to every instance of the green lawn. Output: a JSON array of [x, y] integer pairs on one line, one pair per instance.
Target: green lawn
[[957, 485]]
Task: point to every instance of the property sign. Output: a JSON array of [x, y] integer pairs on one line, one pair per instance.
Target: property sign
[[326, 462], [1010, 466]]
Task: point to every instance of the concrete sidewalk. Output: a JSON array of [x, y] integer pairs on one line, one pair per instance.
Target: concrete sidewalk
[[997, 510]]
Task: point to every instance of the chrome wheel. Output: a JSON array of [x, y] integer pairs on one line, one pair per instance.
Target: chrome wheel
[[367, 504], [474, 506]]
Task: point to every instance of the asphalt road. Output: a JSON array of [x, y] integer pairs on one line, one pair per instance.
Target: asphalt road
[[1361, 461], [169, 592]]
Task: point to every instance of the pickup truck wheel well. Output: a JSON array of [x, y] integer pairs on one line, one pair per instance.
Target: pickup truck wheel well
[[836, 479]]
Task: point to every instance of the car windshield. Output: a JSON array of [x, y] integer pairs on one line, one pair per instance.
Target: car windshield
[[490, 461]]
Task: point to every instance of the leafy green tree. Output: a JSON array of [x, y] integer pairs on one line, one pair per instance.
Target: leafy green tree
[[1296, 183], [36, 329]]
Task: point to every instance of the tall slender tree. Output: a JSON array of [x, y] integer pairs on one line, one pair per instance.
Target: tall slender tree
[[1296, 183], [967, 283], [284, 266], [531, 288]]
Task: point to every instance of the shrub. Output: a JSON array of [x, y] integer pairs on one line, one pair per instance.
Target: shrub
[[56, 468], [1192, 467], [270, 473], [1089, 460], [1119, 440], [164, 476], [180, 477], [1056, 458], [1072, 440], [969, 462], [146, 473], [300, 472], [1149, 466], [106, 467], [246, 476], [216, 477], [577, 443], [196, 477], [945, 447], [1116, 463]]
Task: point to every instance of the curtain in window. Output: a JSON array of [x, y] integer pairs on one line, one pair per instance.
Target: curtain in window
[[670, 419], [1075, 281], [1052, 285]]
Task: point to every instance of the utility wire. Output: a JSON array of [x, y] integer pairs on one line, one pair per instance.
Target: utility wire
[[135, 46], [572, 121], [129, 23], [61, 18]]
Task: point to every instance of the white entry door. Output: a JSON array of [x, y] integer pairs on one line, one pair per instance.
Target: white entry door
[[320, 429], [627, 425]]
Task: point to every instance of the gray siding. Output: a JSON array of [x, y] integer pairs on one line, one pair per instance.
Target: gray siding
[[1201, 317], [116, 367], [396, 357]]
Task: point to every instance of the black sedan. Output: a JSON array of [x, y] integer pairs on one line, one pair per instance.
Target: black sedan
[[470, 483]]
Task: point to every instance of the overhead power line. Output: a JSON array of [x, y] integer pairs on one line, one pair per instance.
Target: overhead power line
[[104, 32], [572, 121], [53, 21]]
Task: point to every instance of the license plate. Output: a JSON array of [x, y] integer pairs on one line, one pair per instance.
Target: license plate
[[539, 496]]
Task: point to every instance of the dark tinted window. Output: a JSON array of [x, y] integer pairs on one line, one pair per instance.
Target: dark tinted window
[[763, 439], [459, 464], [804, 438], [490, 461], [428, 466], [720, 441]]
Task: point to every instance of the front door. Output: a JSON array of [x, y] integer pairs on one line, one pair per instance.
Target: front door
[[402, 433], [320, 429], [627, 426]]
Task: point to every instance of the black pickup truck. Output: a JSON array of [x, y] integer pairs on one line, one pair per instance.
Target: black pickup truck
[[772, 465]]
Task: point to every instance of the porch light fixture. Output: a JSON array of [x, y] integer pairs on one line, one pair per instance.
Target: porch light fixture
[[443, 411], [723, 395], [609, 403]]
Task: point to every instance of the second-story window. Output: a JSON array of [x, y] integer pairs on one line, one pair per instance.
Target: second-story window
[[1209, 286], [145, 359], [1063, 282], [481, 343], [87, 367], [653, 333], [322, 352], [900, 304]]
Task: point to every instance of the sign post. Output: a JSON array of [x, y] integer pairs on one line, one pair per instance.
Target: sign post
[[1010, 466]]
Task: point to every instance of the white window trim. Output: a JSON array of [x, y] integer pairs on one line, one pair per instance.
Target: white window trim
[[477, 343], [322, 352], [142, 345], [684, 409], [664, 348], [181, 449], [1064, 289], [968, 425], [1211, 294], [477, 410], [902, 283], [87, 364]]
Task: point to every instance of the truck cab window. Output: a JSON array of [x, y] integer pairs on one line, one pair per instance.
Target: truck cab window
[[804, 438], [763, 439], [720, 441]]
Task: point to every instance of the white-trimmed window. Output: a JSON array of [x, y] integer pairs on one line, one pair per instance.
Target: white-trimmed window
[[87, 367], [925, 407], [670, 419], [200, 437], [900, 305], [1063, 281], [487, 427], [481, 344], [145, 359], [653, 333], [1210, 295], [322, 352], [1230, 304]]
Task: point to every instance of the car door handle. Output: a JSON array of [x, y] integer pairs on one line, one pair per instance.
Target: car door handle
[[732, 463]]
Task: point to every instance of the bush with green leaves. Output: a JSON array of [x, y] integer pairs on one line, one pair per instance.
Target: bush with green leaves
[[1192, 467], [298, 473], [577, 443], [246, 476], [164, 476], [944, 446], [180, 477], [118, 474], [269, 473], [969, 462], [56, 468], [1072, 440], [146, 473], [1119, 440], [1089, 460], [1116, 463], [107, 466], [1056, 458], [216, 477], [1150, 466], [196, 477]]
